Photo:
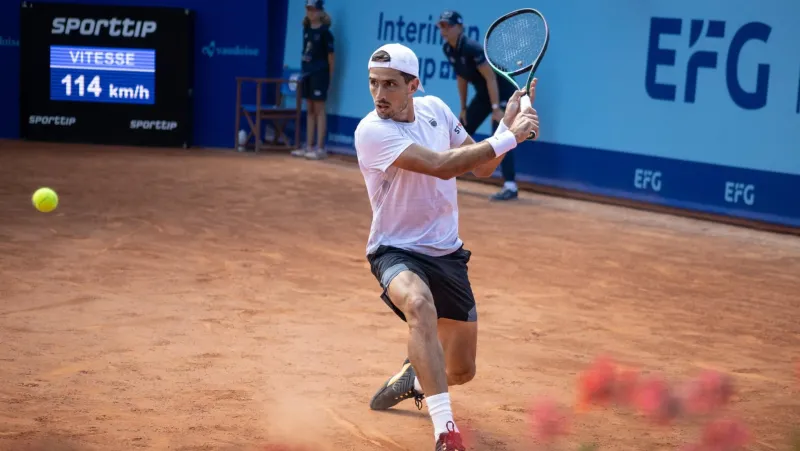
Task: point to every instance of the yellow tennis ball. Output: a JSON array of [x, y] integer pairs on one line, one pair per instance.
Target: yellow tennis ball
[[45, 200]]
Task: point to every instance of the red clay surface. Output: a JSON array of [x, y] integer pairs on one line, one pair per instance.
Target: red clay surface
[[194, 300]]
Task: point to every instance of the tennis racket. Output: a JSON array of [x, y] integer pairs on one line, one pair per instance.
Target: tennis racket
[[515, 43]]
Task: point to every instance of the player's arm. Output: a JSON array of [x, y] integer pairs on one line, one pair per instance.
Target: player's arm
[[465, 154], [380, 146], [512, 108], [454, 162], [485, 169]]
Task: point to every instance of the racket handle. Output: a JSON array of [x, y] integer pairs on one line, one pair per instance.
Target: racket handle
[[525, 102]]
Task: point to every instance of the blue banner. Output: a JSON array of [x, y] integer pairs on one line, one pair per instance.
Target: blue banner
[[9, 75], [229, 41], [693, 105]]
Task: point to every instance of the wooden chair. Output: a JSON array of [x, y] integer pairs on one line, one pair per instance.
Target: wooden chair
[[288, 107]]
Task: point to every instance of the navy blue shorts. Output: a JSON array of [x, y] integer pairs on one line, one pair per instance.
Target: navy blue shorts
[[315, 85], [446, 276]]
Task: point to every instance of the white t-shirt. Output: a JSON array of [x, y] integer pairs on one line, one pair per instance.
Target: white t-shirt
[[410, 211]]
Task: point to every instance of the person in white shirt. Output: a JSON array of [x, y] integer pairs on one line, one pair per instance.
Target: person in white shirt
[[410, 151]]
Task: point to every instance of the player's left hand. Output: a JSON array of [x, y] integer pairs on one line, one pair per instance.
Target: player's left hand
[[512, 107]]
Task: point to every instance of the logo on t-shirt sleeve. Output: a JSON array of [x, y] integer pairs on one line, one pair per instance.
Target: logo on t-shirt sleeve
[[458, 128]]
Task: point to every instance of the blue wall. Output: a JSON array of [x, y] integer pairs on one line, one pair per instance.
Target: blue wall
[[9, 69], [693, 105], [684, 104], [247, 40]]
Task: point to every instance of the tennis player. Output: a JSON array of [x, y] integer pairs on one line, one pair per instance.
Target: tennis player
[[410, 149]]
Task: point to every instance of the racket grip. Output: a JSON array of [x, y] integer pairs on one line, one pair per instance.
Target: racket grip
[[525, 102]]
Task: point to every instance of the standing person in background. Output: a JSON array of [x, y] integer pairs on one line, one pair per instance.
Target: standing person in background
[[469, 62], [317, 67]]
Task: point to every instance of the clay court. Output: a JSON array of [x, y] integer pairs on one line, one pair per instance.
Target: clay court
[[210, 300]]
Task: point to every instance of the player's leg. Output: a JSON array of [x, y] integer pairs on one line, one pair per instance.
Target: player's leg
[[388, 263], [425, 353], [458, 313], [459, 341], [447, 279], [407, 292], [457, 324], [413, 297]]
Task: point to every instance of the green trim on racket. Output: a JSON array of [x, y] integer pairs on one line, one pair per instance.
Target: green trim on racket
[[525, 101]]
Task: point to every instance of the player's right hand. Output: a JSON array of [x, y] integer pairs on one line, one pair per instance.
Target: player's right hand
[[526, 122], [512, 107]]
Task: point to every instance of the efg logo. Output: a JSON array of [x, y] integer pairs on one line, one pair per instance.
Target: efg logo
[[8, 42], [647, 179], [736, 191], [212, 49], [748, 93], [127, 28]]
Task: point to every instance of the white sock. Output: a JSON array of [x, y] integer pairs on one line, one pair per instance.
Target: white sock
[[510, 185], [417, 386], [440, 412]]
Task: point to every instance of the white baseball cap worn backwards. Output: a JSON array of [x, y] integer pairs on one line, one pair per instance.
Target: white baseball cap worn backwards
[[401, 58]]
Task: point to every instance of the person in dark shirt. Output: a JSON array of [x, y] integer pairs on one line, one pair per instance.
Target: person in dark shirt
[[317, 66], [491, 91]]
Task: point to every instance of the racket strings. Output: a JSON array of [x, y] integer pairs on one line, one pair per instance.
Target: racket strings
[[516, 41]]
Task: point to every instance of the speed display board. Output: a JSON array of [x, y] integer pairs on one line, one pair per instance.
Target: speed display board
[[106, 74]]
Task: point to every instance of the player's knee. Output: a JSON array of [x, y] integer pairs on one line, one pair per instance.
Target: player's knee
[[420, 311], [462, 374]]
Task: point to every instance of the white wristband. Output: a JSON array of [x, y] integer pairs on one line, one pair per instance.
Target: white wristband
[[500, 128], [502, 142]]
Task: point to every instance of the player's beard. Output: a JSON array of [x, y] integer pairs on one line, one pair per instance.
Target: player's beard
[[388, 114], [393, 113]]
